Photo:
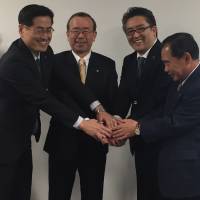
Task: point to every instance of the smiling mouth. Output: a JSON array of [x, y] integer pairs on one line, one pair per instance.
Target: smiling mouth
[[43, 42], [138, 41]]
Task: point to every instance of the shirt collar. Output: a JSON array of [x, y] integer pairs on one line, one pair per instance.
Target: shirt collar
[[147, 52], [86, 58], [183, 82], [36, 56]]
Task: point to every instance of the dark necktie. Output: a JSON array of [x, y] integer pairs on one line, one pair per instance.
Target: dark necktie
[[37, 127], [38, 64], [141, 61]]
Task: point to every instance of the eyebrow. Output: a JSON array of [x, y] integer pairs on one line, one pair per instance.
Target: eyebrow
[[138, 26]]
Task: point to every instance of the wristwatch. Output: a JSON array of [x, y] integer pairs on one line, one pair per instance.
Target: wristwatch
[[137, 130], [99, 109]]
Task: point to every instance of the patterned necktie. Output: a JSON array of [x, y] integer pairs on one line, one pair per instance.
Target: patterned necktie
[[82, 70], [141, 61]]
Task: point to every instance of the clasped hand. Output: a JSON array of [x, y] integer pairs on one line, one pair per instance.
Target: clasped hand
[[109, 130], [120, 129]]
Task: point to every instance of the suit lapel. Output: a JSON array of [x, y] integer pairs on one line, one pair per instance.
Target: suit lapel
[[72, 63], [173, 98], [44, 69], [151, 62], [94, 70], [29, 58], [175, 95]]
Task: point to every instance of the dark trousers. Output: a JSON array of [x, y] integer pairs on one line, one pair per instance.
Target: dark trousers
[[62, 174], [146, 173], [16, 178]]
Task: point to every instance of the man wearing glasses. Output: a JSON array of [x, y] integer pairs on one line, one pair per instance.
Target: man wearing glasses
[[71, 150], [24, 73], [143, 87]]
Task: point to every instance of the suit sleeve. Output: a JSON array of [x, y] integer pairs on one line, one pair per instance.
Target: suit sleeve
[[21, 77], [123, 98], [63, 95], [180, 121], [111, 89]]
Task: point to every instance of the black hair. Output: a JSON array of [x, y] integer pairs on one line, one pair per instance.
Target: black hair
[[29, 12], [181, 43], [82, 14], [138, 11]]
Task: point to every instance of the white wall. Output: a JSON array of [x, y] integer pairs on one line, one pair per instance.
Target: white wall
[[172, 16]]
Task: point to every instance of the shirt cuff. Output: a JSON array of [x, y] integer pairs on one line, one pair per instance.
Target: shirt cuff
[[117, 116], [94, 104], [78, 122]]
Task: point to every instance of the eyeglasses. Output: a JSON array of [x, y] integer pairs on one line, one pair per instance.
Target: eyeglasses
[[76, 32], [131, 31], [41, 30]]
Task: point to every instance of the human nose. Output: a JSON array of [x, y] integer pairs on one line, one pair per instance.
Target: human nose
[[46, 35], [80, 34], [136, 34]]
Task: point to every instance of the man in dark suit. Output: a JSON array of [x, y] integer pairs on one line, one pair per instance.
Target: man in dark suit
[[177, 131], [143, 87], [71, 150], [23, 91]]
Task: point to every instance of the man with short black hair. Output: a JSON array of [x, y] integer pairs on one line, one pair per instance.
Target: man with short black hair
[[24, 74], [177, 130], [143, 87], [75, 151]]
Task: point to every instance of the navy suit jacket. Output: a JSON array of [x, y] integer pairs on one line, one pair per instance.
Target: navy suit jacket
[[23, 91], [101, 80], [178, 133], [146, 95]]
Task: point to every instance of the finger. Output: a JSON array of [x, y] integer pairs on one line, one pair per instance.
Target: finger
[[122, 137], [111, 142], [113, 123], [115, 142], [108, 124], [102, 138], [118, 134], [99, 117], [104, 141], [120, 121], [117, 131], [105, 131], [118, 127]]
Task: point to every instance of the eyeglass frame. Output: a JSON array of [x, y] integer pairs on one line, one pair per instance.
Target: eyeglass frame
[[76, 32], [41, 30], [129, 32]]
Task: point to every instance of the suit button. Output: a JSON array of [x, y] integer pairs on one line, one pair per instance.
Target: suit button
[[135, 102]]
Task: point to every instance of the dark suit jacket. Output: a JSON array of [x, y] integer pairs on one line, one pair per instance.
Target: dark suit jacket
[[23, 91], [145, 95], [101, 79], [178, 132]]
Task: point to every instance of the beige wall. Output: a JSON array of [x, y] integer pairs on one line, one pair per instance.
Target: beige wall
[[172, 16]]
